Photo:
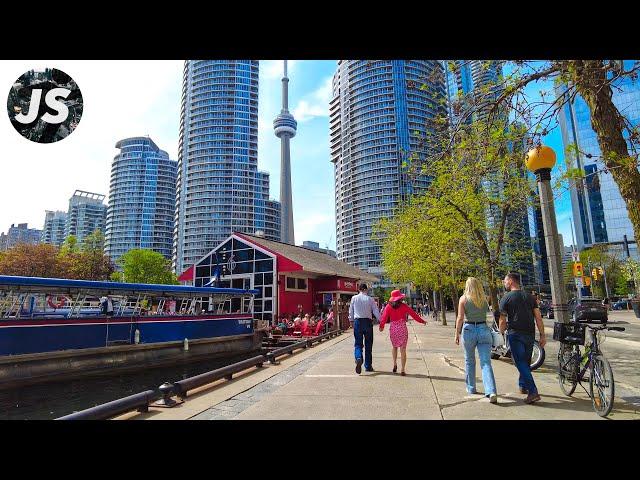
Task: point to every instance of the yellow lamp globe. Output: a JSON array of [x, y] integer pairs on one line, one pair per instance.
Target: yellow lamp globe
[[540, 157]]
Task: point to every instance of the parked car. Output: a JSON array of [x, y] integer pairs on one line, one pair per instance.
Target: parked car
[[621, 305], [588, 309]]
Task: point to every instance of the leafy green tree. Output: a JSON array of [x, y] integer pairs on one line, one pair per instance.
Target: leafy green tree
[[145, 266]]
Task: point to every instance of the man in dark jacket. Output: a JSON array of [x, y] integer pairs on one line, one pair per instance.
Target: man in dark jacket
[[519, 315]]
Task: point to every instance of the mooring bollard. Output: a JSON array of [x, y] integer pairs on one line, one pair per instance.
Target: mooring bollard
[[166, 389]]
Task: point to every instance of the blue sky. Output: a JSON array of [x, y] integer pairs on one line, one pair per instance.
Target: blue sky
[[130, 98]]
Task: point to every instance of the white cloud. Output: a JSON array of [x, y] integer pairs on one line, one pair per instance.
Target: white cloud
[[305, 111], [315, 104]]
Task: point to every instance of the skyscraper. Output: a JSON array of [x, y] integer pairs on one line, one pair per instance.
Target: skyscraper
[[142, 199], [285, 129], [378, 117], [599, 213], [87, 213], [219, 188], [55, 224]]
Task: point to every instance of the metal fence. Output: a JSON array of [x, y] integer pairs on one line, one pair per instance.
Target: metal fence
[[141, 401]]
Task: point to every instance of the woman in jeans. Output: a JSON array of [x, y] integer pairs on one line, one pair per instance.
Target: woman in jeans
[[475, 333]]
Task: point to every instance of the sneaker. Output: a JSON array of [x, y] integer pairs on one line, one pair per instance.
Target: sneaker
[[493, 398], [359, 366], [532, 398], [524, 391]]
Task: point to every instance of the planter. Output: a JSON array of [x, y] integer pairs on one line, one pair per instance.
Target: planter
[[635, 304]]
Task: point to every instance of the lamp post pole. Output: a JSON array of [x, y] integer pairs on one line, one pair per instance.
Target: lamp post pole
[[540, 160]]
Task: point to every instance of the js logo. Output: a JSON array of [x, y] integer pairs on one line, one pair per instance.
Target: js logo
[[45, 106]]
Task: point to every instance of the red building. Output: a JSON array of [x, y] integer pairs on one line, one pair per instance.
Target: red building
[[287, 277]]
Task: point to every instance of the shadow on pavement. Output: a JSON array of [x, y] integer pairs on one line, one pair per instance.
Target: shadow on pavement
[[566, 403]]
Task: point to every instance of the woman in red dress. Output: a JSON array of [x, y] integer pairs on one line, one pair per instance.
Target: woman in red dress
[[396, 312]]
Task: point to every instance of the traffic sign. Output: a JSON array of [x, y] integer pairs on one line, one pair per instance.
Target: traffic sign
[[575, 256], [578, 281]]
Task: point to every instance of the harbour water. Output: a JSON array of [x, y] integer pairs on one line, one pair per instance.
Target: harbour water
[[52, 400]]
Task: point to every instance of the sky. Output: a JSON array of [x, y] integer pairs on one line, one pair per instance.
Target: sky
[[136, 98]]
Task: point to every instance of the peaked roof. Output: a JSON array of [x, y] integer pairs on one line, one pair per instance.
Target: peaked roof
[[311, 260]]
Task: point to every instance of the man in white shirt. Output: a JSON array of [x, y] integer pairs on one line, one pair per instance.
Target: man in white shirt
[[361, 312]]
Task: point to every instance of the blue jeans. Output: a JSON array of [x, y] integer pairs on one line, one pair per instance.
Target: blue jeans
[[521, 345], [363, 327], [478, 336]]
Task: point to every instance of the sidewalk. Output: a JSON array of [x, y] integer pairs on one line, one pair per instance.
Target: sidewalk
[[321, 383]]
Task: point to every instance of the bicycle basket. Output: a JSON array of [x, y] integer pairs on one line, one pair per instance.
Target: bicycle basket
[[563, 330]]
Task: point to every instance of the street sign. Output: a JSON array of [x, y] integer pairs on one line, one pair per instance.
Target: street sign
[[578, 281], [575, 256]]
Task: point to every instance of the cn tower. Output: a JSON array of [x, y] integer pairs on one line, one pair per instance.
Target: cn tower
[[285, 129]]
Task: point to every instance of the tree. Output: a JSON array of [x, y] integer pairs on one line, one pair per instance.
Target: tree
[[145, 266], [94, 264], [631, 272], [25, 260]]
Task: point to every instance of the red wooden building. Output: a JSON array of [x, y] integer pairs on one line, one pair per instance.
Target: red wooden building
[[287, 277]]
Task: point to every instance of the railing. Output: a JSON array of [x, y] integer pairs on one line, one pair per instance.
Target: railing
[[141, 401], [183, 386]]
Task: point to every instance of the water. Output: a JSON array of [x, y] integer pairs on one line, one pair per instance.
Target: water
[[52, 400]]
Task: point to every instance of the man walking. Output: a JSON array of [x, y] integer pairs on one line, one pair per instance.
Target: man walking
[[361, 312], [519, 313]]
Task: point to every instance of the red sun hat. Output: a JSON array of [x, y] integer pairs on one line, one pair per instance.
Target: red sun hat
[[396, 295]]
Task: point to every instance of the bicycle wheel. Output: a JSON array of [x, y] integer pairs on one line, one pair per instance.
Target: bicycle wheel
[[537, 356], [567, 371], [601, 385]]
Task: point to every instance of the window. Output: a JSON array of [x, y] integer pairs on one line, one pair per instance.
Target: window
[[296, 284]]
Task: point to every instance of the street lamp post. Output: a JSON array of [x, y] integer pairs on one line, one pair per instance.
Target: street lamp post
[[540, 160]]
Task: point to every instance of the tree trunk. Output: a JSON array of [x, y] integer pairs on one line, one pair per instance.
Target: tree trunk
[[443, 308], [454, 299], [608, 124], [493, 291]]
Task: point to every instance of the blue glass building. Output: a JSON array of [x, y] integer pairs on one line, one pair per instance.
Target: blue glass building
[[379, 116], [599, 213], [219, 188], [142, 199]]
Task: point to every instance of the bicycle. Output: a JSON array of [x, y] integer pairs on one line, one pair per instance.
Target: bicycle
[[573, 364]]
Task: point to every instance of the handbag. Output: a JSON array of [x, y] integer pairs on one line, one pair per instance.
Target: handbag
[[497, 339]]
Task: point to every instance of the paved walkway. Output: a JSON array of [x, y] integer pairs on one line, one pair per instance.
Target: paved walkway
[[321, 383]]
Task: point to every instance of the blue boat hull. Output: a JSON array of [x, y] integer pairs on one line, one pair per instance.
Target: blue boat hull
[[28, 336]]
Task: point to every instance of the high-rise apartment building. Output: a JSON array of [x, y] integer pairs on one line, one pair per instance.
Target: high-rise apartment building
[[86, 213], [19, 234], [55, 224], [142, 199], [600, 214], [379, 116], [219, 188]]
